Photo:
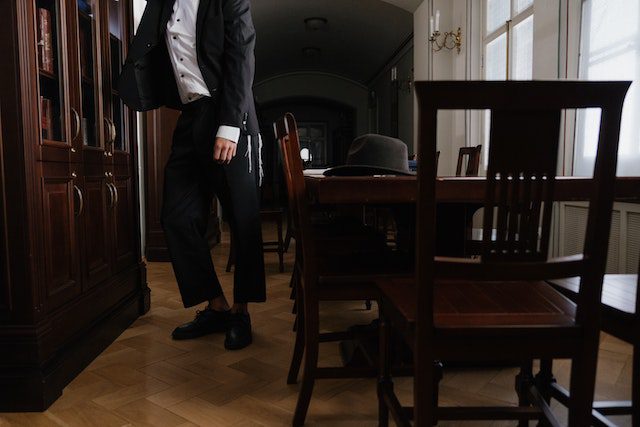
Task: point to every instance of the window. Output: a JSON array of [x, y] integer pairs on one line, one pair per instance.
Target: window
[[507, 40], [313, 144], [610, 50]]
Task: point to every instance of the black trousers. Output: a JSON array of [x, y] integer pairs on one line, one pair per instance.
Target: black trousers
[[191, 180]]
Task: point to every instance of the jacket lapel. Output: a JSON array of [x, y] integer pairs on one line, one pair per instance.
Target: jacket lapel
[[202, 12], [167, 11]]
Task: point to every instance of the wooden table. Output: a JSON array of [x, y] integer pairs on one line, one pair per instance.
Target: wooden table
[[403, 189]]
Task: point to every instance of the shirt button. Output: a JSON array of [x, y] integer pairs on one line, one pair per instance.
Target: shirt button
[[178, 20], [174, 37], [182, 75], [181, 59]]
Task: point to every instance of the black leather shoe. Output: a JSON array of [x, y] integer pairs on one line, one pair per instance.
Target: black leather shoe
[[238, 331], [207, 321]]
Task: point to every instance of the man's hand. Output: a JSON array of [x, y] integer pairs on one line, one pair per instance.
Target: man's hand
[[224, 150]]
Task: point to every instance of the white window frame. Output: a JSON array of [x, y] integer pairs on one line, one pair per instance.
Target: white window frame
[[506, 28]]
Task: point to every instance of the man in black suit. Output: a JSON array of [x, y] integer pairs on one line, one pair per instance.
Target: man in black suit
[[198, 56]]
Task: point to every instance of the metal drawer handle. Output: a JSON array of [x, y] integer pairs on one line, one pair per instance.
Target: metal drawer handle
[[76, 118], [115, 191], [111, 195], [109, 133], [111, 129], [80, 199], [114, 133]]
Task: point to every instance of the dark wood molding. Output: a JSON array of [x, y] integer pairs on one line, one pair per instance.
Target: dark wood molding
[[34, 386], [5, 276]]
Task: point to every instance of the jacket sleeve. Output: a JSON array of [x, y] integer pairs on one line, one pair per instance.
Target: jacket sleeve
[[239, 63]]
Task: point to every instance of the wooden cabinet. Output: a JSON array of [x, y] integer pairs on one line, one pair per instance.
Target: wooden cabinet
[[71, 273]]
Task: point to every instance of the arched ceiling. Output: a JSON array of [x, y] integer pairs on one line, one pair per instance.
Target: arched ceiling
[[360, 36]]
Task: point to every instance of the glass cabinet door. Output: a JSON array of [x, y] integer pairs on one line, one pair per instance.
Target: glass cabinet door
[[87, 33], [116, 14], [50, 70]]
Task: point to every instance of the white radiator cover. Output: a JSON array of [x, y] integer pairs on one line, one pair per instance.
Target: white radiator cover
[[624, 241]]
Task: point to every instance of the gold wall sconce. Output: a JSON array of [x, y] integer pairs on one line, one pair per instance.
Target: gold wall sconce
[[449, 39]]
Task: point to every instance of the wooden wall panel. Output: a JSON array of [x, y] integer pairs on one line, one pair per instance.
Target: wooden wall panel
[[5, 283], [160, 126], [61, 278]]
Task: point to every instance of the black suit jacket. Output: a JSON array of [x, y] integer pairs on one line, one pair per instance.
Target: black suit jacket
[[225, 41]]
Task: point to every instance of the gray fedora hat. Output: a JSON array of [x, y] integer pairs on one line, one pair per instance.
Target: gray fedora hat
[[374, 154]]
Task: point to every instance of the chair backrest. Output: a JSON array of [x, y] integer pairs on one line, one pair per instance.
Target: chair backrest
[[286, 131], [519, 195], [473, 160]]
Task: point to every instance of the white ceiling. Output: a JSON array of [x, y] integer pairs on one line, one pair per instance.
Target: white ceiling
[[409, 5], [360, 37]]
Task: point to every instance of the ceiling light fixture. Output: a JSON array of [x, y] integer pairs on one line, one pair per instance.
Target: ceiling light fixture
[[311, 52], [315, 24]]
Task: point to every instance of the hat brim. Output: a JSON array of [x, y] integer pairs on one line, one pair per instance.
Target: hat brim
[[363, 170]]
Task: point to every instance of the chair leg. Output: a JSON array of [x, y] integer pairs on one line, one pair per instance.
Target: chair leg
[[583, 381], [280, 244], [523, 381], [298, 349], [635, 387], [439, 374], [311, 342], [384, 371], [232, 255], [424, 386], [544, 379], [289, 235]]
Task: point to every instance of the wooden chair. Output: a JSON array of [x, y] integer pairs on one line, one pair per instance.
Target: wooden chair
[[620, 307], [266, 214], [499, 308], [472, 154], [325, 276]]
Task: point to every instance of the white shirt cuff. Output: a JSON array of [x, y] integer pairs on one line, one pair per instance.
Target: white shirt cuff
[[229, 132]]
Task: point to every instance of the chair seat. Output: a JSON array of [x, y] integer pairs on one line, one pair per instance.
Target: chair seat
[[618, 290], [618, 302], [364, 266], [354, 277], [470, 305]]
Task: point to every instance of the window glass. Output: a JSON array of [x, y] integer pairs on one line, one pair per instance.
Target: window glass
[[610, 50], [522, 5], [497, 13], [522, 65], [50, 82], [496, 59]]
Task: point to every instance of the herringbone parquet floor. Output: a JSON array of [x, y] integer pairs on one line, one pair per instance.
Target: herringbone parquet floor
[[146, 379]]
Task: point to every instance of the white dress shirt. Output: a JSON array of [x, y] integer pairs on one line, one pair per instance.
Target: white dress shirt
[[181, 43]]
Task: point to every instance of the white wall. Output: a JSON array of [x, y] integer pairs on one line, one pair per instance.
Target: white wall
[[457, 129], [318, 85], [444, 65]]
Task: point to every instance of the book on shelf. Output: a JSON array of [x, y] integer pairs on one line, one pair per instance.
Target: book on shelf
[[45, 40], [46, 117]]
